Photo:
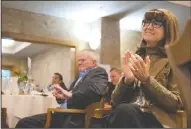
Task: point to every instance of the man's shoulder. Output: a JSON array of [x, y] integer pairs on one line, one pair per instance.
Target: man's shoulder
[[99, 69]]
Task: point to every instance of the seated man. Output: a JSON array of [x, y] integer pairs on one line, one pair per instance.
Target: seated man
[[90, 87], [57, 79], [115, 75]]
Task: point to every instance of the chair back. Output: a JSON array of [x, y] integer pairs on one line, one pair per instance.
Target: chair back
[[90, 111], [179, 55]]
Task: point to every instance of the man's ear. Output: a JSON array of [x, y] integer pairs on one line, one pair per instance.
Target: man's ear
[[94, 61]]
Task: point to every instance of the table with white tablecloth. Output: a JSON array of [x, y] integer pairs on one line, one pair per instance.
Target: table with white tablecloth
[[20, 106]]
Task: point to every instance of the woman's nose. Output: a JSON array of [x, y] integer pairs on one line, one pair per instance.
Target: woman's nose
[[150, 26]]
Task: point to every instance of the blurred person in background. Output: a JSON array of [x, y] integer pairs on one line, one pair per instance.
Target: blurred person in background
[[57, 79], [115, 75]]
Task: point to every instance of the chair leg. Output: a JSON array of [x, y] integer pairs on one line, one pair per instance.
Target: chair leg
[[181, 119], [48, 119], [87, 121]]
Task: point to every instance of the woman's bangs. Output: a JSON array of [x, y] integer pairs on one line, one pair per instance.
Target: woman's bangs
[[155, 15]]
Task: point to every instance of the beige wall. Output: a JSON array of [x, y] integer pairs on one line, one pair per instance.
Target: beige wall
[[57, 59]]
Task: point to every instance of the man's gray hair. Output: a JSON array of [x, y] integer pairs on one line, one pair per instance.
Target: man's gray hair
[[92, 54]]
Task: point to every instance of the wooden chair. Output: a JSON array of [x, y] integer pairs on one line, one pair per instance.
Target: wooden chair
[[89, 112], [179, 55], [180, 117], [4, 118]]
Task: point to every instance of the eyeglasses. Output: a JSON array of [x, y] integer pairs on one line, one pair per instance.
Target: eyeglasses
[[155, 24]]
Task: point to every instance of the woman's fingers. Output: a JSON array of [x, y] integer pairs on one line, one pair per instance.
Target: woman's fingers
[[131, 67], [124, 60], [135, 62], [128, 56], [141, 61], [147, 61]]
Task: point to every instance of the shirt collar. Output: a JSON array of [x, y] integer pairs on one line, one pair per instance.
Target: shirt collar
[[84, 72]]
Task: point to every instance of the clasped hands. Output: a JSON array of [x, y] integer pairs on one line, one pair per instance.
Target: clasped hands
[[60, 93], [134, 67]]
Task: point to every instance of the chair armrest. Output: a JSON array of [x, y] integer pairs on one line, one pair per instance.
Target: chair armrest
[[181, 113], [100, 112], [61, 110]]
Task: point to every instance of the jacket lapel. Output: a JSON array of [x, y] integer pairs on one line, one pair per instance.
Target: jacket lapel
[[73, 89], [158, 66], [72, 85]]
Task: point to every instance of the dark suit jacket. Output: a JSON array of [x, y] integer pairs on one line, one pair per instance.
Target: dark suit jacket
[[110, 88], [91, 88]]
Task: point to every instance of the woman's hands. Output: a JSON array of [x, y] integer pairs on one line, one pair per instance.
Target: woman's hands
[[135, 67], [140, 68], [129, 77]]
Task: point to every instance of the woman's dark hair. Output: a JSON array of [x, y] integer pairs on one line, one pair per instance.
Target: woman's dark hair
[[59, 75], [62, 83]]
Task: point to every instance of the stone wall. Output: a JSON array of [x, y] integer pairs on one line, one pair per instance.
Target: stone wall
[[54, 60], [110, 42], [44, 26], [59, 28], [16, 63]]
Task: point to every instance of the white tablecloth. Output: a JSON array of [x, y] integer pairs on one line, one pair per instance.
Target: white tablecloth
[[20, 106]]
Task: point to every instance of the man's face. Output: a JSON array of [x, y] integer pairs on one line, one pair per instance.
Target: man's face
[[55, 79], [84, 62], [115, 76]]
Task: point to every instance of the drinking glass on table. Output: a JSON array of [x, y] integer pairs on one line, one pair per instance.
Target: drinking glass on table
[[45, 89], [25, 87], [51, 88], [6, 86]]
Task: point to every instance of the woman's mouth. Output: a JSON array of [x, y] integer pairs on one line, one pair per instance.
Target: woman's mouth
[[149, 32]]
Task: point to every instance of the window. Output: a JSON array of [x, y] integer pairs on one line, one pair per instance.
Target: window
[[6, 73]]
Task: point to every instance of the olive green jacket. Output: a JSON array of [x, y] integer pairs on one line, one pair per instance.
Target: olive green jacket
[[162, 97]]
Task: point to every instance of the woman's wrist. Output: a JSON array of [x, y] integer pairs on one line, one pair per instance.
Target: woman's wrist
[[146, 81], [128, 82]]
